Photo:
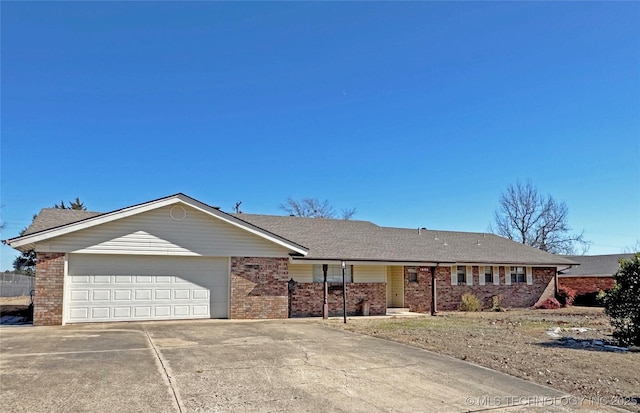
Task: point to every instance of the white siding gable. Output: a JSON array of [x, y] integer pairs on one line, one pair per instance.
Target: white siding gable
[[163, 232], [369, 273]]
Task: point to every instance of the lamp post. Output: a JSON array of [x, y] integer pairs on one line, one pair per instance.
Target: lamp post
[[325, 287]]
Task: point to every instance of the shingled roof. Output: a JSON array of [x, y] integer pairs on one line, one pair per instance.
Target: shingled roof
[[55, 217], [362, 240], [334, 239], [594, 265]]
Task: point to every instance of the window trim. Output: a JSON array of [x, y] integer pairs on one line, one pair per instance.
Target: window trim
[[412, 271], [488, 269], [517, 277], [461, 271]]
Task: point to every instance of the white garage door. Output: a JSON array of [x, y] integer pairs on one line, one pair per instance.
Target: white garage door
[[125, 288]]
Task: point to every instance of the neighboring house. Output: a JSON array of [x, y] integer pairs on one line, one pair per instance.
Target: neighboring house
[[594, 274], [178, 258]]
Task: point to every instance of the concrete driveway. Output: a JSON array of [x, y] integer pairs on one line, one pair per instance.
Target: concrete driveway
[[226, 366]]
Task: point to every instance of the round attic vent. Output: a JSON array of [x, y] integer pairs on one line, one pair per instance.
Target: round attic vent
[[178, 213]]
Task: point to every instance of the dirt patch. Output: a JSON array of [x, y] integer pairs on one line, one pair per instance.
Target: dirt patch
[[15, 306], [518, 342], [23, 300]]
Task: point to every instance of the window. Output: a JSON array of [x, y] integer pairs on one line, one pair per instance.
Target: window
[[412, 275], [462, 274], [488, 275], [334, 273], [518, 275]]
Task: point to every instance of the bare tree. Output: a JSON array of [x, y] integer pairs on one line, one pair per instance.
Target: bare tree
[[526, 216], [632, 249], [314, 208]]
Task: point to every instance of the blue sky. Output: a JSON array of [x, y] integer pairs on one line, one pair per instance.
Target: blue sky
[[417, 114]]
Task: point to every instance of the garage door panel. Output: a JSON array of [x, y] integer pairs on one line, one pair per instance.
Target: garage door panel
[[200, 310], [122, 295], [101, 295], [142, 312], [79, 295], [162, 294], [79, 279], [145, 288], [100, 312], [200, 294], [142, 295], [181, 310], [79, 313], [162, 311], [122, 312]]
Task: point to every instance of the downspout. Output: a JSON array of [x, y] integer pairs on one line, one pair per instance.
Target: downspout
[[434, 295]]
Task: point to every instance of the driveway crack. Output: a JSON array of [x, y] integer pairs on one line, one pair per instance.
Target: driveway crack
[[165, 370]]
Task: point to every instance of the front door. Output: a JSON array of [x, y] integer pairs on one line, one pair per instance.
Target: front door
[[395, 287]]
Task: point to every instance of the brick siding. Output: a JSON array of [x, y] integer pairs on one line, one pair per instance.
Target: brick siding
[[586, 285], [49, 289], [514, 295], [417, 295], [259, 288], [307, 299]]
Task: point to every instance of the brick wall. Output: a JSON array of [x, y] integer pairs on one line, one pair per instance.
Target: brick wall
[[514, 295], [49, 289], [585, 285], [259, 288], [417, 295], [307, 299]]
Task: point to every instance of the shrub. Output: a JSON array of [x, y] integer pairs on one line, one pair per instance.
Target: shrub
[[622, 302], [566, 296], [549, 304], [470, 302], [495, 303]]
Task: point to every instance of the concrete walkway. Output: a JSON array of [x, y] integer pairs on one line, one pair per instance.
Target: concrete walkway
[[225, 366]]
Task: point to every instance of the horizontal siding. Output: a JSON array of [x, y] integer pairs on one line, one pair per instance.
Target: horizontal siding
[[302, 273], [157, 233], [361, 273], [369, 273]]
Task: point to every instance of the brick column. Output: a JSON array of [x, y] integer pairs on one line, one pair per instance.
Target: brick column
[[49, 286], [259, 288]]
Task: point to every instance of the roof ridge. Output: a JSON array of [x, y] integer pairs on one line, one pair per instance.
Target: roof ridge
[[240, 214]]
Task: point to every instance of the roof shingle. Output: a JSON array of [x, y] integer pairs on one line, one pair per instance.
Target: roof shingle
[[594, 265], [55, 217], [334, 239]]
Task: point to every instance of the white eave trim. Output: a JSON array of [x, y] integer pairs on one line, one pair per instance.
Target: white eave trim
[[303, 260], [300, 260], [137, 209]]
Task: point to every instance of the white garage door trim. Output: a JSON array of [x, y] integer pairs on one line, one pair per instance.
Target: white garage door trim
[[104, 288]]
